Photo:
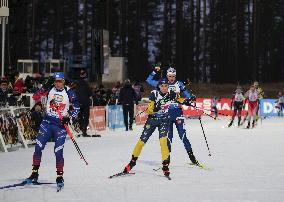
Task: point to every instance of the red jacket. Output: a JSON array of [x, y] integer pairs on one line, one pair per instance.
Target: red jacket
[[19, 85]]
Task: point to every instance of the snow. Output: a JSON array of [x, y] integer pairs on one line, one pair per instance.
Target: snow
[[246, 166]]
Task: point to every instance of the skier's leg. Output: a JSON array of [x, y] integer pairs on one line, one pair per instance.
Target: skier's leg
[[239, 115], [182, 135], [249, 115], [170, 136], [59, 138], [131, 115], [148, 130], [163, 133], [125, 116], [44, 135], [254, 115], [233, 117]]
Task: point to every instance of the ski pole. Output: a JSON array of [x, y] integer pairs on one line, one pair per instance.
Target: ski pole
[[204, 135], [71, 136], [141, 113]]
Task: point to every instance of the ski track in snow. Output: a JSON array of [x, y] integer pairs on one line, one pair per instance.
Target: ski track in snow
[[247, 166]]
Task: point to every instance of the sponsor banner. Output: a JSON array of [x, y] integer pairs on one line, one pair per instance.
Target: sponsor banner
[[205, 104], [268, 107], [115, 116], [142, 114], [97, 120]]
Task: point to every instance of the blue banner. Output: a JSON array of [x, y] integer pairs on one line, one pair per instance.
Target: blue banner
[[267, 107], [115, 117]]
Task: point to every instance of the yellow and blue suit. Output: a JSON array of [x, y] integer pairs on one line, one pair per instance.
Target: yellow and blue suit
[[158, 118], [176, 114]]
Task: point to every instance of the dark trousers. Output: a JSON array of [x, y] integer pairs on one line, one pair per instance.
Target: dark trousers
[[83, 118], [128, 111]]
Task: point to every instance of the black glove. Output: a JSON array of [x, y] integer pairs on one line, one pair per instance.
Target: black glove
[[189, 101], [49, 83], [193, 98], [65, 120], [157, 67]]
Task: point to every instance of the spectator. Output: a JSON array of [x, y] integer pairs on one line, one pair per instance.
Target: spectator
[[3, 93], [29, 84], [127, 97], [36, 116], [83, 92], [111, 99], [214, 106], [280, 104], [19, 86], [138, 88], [116, 89]]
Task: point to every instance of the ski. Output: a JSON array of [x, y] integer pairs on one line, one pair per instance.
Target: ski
[[120, 174], [199, 165], [24, 184], [168, 177], [157, 169]]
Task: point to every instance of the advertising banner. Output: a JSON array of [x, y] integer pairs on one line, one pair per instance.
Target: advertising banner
[[205, 104], [97, 120], [115, 117], [141, 114], [268, 107]]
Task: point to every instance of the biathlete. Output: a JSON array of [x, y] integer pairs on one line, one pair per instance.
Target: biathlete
[[252, 97], [237, 104], [51, 126], [176, 113], [161, 101]]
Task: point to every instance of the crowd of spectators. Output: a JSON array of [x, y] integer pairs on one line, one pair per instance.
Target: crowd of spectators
[[12, 86]]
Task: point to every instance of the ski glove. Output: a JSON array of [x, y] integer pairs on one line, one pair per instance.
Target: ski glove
[[188, 102]]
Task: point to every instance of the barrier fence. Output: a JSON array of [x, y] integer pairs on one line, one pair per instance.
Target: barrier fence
[[16, 124]]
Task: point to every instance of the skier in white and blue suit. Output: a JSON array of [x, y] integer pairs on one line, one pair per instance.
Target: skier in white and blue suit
[[59, 97], [175, 111]]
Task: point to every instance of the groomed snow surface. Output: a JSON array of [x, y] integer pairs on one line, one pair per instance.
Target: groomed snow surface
[[247, 166]]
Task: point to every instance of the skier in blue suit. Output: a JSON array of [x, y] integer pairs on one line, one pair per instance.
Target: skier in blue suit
[[59, 97], [176, 113]]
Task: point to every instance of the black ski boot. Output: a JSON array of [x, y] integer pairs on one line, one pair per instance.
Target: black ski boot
[[230, 124], [165, 168], [248, 125], [34, 176], [131, 164], [192, 158], [239, 121], [59, 180], [253, 124]]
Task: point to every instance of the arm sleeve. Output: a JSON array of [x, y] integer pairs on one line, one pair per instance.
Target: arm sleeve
[[150, 80], [151, 106], [74, 100], [185, 92]]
